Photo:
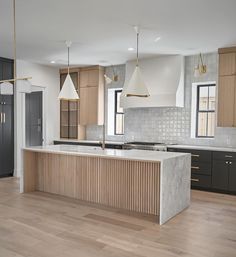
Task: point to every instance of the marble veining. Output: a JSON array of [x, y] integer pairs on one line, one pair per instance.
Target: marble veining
[[174, 186]]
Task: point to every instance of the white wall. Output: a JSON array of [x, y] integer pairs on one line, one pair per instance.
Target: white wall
[[46, 79]]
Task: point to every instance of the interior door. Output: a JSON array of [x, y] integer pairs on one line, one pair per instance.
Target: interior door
[[34, 119]]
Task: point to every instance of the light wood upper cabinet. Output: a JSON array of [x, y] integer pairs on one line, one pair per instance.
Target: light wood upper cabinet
[[226, 112], [226, 101], [91, 96], [227, 64]]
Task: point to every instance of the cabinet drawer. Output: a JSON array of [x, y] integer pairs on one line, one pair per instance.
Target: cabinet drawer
[[197, 155], [201, 181], [203, 168], [224, 156]]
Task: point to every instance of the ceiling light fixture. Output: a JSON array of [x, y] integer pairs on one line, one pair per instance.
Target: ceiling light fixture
[[130, 49], [157, 39], [136, 86], [201, 68], [5, 83], [68, 91], [52, 62]]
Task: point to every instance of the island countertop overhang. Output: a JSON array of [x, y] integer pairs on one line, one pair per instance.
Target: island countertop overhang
[[139, 155]]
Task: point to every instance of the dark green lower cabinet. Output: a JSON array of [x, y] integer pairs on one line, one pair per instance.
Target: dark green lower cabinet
[[212, 170], [220, 175], [232, 176], [224, 175]]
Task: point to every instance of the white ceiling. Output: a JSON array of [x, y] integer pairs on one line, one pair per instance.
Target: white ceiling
[[102, 29]]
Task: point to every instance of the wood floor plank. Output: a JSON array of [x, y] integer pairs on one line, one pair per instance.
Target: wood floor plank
[[44, 225]]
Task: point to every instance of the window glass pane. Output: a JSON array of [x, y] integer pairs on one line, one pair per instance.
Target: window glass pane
[[212, 95], [118, 108], [202, 124], [211, 124], [119, 123], [203, 98]]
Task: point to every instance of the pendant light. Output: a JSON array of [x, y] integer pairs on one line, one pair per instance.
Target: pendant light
[[68, 91], [136, 86]]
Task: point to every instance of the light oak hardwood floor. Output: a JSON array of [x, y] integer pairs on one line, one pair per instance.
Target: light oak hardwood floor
[[43, 225]]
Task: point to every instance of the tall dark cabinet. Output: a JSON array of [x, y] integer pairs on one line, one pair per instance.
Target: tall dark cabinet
[[6, 122]]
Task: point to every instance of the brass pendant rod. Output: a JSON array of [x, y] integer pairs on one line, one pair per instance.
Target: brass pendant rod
[[14, 35], [13, 80], [137, 54], [68, 64]]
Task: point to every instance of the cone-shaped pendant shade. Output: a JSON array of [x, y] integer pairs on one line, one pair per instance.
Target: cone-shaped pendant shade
[[68, 91], [136, 86]]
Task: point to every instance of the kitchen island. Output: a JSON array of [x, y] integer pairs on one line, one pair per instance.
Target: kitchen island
[[147, 182]]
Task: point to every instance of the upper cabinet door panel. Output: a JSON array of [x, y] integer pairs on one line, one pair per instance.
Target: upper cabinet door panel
[[84, 78], [83, 106], [93, 106], [93, 79], [227, 64], [226, 99]]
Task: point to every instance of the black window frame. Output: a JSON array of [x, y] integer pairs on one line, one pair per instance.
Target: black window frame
[[203, 111], [116, 112]]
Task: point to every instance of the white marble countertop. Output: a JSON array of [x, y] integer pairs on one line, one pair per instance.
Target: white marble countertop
[[202, 147], [89, 141], [144, 155]]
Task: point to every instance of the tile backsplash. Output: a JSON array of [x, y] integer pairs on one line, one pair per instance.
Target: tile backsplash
[[170, 124]]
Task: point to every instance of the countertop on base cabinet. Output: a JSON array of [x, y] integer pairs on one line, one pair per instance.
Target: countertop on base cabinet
[[145, 182]]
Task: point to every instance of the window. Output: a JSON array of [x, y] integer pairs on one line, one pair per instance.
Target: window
[[119, 115], [205, 116]]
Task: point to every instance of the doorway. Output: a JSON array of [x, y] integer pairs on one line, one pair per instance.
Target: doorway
[[34, 119]]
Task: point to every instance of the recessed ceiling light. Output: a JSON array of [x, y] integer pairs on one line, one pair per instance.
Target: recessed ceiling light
[[52, 62], [157, 39], [130, 49]]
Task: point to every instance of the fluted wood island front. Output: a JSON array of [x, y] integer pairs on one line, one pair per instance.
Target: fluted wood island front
[[147, 182]]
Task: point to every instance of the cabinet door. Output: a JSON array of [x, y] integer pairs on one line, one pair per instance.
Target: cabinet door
[[1, 132], [7, 145], [220, 175], [232, 176], [84, 105], [226, 98], [227, 64], [93, 78], [84, 78], [93, 105]]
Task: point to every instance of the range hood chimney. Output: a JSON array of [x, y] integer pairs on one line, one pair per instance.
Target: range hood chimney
[[164, 77]]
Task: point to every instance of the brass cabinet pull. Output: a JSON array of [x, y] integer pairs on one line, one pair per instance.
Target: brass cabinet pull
[[195, 155], [195, 179], [195, 167], [4, 117], [228, 156]]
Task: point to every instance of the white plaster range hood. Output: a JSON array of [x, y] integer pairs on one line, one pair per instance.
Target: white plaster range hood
[[164, 78]]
